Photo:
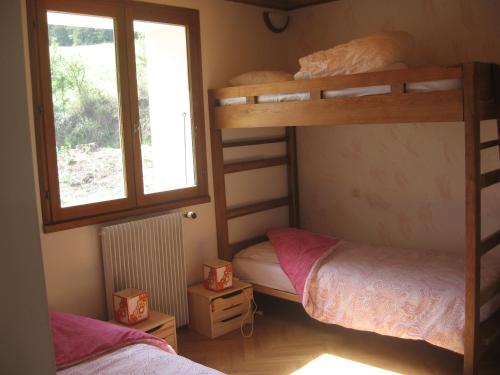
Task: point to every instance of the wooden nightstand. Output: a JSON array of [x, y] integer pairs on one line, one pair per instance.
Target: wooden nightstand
[[216, 313], [159, 325]]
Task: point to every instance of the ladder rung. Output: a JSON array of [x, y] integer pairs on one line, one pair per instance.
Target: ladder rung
[[490, 329], [256, 207], [490, 178], [251, 142], [488, 293], [489, 144], [254, 164], [490, 242]]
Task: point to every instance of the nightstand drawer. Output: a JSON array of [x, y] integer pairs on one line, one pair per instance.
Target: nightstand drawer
[[163, 331], [159, 325], [228, 325], [232, 311], [236, 298]]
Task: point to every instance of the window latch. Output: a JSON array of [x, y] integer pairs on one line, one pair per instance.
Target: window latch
[[138, 131]]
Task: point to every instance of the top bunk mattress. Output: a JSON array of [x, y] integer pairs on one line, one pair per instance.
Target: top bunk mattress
[[427, 86]]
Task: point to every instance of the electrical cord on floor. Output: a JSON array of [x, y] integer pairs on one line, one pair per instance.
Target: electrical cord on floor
[[249, 314]]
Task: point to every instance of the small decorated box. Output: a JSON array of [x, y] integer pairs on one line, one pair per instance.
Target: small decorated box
[[130, 306], [218, 275]]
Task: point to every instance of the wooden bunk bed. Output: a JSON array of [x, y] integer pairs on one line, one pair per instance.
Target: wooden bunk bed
[[477, 99]]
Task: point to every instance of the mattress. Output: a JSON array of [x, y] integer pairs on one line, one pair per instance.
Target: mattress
[[427, 86], [259, 264]]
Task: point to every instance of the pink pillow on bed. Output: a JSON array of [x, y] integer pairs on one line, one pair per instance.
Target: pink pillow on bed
[[77, 338], [297, 251]]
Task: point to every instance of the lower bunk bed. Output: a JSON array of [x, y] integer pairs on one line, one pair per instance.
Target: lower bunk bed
[[410, 294]]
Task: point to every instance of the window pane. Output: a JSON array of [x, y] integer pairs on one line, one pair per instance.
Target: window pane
[[164, 106], [86, 108]]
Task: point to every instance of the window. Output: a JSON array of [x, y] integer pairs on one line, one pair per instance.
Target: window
[[119, 108]]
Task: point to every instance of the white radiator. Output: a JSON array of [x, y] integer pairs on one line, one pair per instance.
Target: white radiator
[[148, 254]]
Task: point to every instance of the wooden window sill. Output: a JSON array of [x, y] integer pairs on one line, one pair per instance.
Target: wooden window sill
[[126, 214]]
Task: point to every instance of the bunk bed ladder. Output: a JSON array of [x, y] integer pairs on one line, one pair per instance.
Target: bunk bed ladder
[[222, 213], [477, 333]]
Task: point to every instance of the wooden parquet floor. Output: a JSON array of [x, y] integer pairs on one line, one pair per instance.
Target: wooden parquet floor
[[285, 340]]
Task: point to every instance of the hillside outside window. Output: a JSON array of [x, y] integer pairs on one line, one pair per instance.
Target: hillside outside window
[[118, 93]]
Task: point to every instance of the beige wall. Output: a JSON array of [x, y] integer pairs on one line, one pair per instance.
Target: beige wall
[[234, 40], [25, 343], [401, 185]]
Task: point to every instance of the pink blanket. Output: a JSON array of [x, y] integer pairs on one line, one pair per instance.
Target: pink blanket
[[297, 250], [411, 294], [77, 338], [396, 292]]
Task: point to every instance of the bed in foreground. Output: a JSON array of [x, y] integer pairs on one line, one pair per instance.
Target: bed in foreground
[[88, 346]]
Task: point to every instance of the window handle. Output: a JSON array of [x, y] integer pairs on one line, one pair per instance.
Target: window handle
[[138, 130]]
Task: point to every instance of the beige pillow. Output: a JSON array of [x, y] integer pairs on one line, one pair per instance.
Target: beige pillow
[[261, 252], [371, 53], [260, 76]]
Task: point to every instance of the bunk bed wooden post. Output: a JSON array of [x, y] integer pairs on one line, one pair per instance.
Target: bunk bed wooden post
[[481, 101], [219, 184], [293, 186], [496, 88], [472, 219]]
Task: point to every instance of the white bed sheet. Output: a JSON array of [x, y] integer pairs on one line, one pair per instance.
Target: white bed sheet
[[139, 359], [439, 85], [262, 268]]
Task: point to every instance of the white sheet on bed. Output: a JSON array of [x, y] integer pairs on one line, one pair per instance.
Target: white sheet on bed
[[139, 359], [259, 264], [440, 85]]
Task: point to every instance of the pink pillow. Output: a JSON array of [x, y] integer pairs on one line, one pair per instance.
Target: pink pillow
[[297, 252]]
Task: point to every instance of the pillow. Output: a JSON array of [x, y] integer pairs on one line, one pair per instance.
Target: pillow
[[260, 76], [297, 251], [262, 252], [371, 53]]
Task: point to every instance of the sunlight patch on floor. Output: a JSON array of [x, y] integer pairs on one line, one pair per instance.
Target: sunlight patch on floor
[[331, 364]]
